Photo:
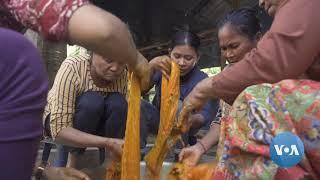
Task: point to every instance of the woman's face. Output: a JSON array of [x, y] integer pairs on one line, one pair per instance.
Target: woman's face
[[234, 45], [107, 69], [185, 56]]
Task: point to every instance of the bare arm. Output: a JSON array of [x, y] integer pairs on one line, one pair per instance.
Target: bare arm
[[89, 26], [80, 23], [212, 137], [75, 138], [103, 33]]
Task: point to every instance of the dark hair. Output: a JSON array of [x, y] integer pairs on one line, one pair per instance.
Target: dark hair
[[185, 38], [244, 20]]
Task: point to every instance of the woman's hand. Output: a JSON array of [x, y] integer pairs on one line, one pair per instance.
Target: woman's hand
[[54, 173], [162, 64], [191, 155], [116, 147]]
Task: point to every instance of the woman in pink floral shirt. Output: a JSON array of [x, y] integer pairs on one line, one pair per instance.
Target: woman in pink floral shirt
[[77, 22]]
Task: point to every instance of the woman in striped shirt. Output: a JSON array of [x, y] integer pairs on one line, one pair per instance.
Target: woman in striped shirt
[[87, 103]]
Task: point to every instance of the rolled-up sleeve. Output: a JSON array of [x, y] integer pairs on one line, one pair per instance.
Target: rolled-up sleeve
[[48, 17], [285, 51]]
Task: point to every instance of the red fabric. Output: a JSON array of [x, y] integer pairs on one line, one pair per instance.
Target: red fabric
[[49, 17], [294, 173]]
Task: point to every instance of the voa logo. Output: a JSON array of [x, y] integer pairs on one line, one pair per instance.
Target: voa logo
[[291, 151], [286, 150]]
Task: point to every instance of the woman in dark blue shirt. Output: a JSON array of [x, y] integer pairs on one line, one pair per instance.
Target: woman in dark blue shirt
[[184, 51]]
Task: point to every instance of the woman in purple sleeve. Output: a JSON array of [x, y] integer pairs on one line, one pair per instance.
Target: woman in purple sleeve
[[23, 92], [24, 86]]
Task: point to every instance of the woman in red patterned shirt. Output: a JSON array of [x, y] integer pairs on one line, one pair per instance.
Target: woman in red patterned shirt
[[77, 22]]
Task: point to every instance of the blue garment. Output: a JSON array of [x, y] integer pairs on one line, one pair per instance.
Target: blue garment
[[187, 83]]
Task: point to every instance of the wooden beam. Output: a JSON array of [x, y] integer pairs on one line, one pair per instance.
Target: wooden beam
[[235, 4]]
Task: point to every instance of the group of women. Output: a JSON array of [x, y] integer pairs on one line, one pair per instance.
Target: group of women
[[273, 88], [272, 82]]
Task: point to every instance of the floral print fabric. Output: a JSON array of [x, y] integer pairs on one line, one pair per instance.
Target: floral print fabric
[[261, 112]]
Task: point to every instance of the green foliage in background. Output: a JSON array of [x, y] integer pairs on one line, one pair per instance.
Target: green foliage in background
[[212, 71], [75, 50]]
